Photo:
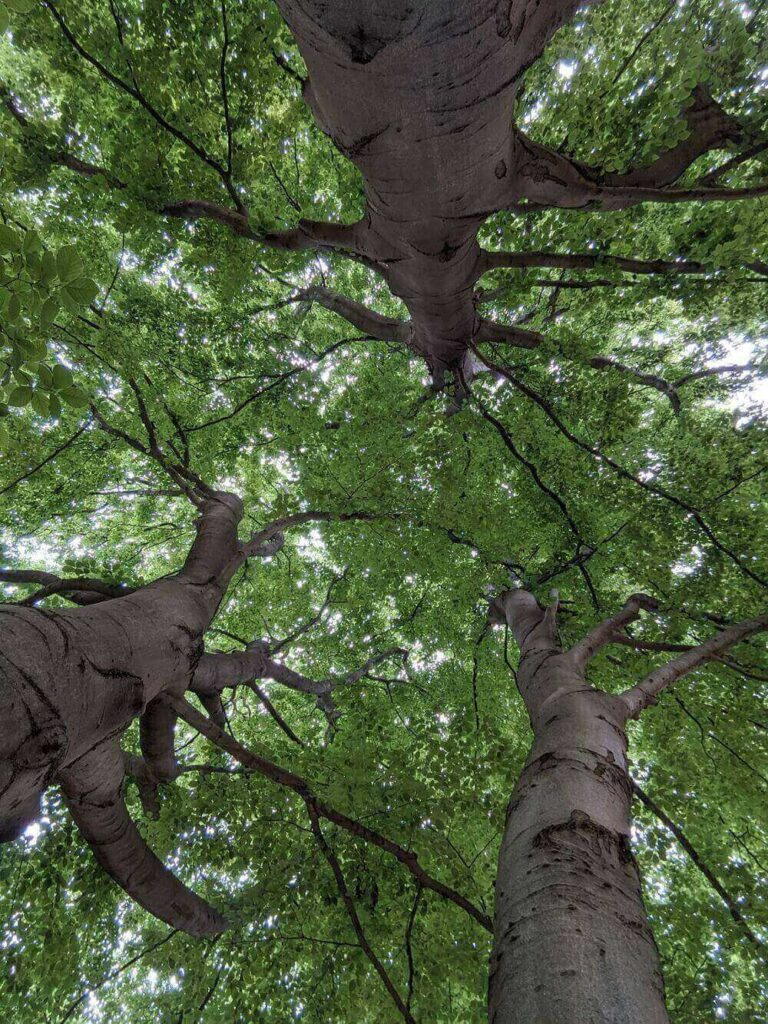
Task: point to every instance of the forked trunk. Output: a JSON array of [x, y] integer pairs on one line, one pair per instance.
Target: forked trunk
[[572, 940]]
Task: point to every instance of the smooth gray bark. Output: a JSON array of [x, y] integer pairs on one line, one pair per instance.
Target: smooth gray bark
[[572, 939]]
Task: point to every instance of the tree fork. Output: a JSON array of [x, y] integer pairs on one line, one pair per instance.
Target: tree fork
[[572, 940]]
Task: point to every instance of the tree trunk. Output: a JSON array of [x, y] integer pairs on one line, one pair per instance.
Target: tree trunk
[[572, 940], [420, 96], [72, 681]]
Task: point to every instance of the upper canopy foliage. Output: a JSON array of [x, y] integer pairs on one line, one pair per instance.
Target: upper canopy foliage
[[610, 459]]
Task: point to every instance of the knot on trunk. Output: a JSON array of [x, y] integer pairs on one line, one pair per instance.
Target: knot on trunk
[[582, 836]]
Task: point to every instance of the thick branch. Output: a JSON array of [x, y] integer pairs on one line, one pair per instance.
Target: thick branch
[[81, 591], [374, 325], [604, 633], [508, 335], [587, 261], [552, 179], [637, 698], [157, 727], [92, 788]]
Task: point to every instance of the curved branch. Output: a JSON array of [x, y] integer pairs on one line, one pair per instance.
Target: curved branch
[[349, 905], [552, 179], [92, 788], [508, 335], [625, 474], [157, 728], [374, 325], [586, 261], [82, 591], [603, 633], [650, 380]]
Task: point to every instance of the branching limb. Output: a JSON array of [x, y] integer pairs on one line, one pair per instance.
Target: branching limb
[[552, 179], [346, 239], [731, 904], [604, 633], [648, 379], [508, 335], [625, 474], [283, 777], [92, 788], [256, 543], [349, 905], [157, 727], [530, 466], [374, 325], [637, 698], [48, 459], [305, 627], [587, 261], [82, 591], [217, 671]]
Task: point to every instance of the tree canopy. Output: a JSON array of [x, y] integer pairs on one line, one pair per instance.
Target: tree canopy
[[625, 451]]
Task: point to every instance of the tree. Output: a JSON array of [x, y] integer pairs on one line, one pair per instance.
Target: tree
[[167, 154]]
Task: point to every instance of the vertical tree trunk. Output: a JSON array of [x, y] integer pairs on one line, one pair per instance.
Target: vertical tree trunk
[[572, 940]]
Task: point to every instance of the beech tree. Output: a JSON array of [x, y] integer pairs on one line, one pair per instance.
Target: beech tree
[[383, 437]]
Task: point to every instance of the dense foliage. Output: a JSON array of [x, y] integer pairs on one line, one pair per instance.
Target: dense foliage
[[286, 403]]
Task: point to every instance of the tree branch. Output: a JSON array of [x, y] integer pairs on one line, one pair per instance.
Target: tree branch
[[349, 905], [625, 474], [552, 179], [283, 777], [82, 591], [699, 863], [637, 698], [649, 379], [92, 787], [603, 633], [586, 261], [374, 325]]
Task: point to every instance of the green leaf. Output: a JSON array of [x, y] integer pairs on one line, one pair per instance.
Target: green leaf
[[49, 310], [40, 403], [69, 266], [9, 239], [31, 243], [20, 396], [61, 377], [75, 397], [82, 291], [48, 267]]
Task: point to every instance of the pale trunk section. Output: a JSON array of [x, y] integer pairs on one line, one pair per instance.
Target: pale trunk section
[[572, 940]]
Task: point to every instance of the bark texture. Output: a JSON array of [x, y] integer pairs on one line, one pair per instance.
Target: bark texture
[[572, 940], [72, 681]]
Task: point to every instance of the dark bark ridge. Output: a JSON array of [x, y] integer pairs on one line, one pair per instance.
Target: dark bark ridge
[[572, 939]]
